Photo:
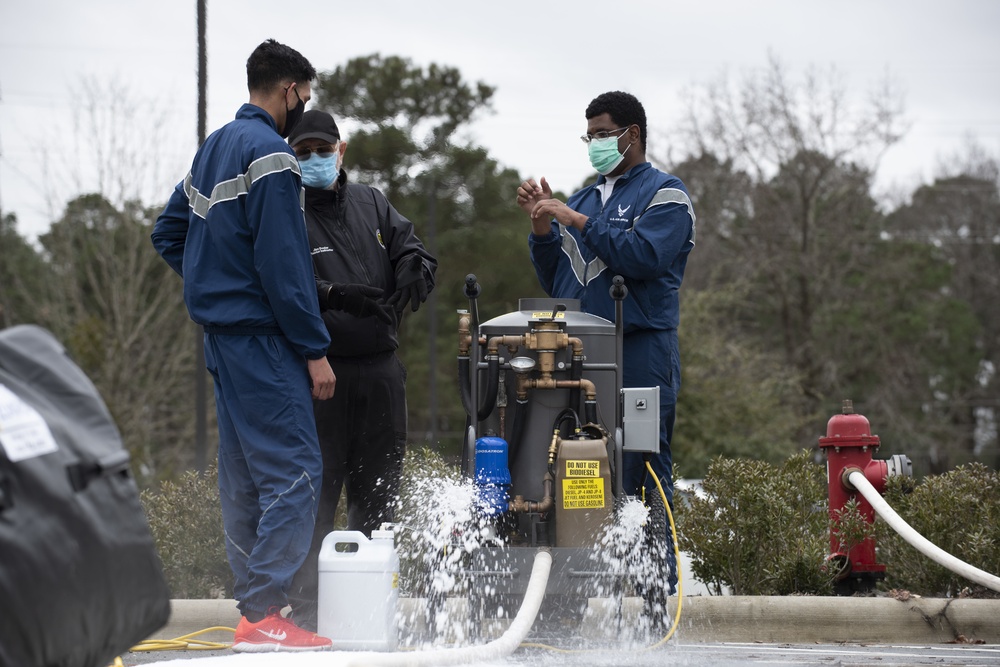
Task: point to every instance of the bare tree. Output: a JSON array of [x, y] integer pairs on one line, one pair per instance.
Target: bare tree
[[122, 145], [761, 123], [110, 298], [118, 309]]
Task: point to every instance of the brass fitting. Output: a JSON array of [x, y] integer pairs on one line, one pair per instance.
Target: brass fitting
[[577, 345], [588, 387], [519, 504], [553, 447], [511, 342], [464, 334]]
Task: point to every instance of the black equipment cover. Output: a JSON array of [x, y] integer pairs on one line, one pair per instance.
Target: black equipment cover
[[80, 580]]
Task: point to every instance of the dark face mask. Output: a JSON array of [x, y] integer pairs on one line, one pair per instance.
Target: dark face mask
[[293, 117]]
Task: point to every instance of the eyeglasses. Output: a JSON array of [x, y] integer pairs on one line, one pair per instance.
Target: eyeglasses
[[304, 154], [587, 138]]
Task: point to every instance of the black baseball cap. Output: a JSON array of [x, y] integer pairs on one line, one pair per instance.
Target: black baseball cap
[[315, 124]]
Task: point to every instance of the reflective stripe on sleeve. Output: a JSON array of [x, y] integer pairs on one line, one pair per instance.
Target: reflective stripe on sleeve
[[670, 196], [584, 272], [240, 185]]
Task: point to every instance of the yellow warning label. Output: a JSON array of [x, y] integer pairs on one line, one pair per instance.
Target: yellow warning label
[[547, 315], [583, 468], [579, 494]]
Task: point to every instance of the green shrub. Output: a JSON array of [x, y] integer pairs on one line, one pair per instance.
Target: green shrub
[[852, 527], [186, 522], [959, 512], [760, 529]]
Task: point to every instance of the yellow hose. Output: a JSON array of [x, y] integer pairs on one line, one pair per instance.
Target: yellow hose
[[677, 559], [182, 643], [185, 642]]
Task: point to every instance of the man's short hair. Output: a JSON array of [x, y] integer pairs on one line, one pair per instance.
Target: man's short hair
[[273, 62], [623, 108]]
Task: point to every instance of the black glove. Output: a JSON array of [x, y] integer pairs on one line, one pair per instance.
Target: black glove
[[411, 286], [358, 300]]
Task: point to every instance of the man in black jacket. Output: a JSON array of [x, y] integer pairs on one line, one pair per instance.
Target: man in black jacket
[[362, 248]]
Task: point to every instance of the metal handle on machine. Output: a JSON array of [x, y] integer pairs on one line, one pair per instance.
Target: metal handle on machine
[[472, 291], [560, 308], [618, 292]]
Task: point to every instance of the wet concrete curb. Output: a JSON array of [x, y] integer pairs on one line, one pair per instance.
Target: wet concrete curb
[[790, 619], [802, 619]]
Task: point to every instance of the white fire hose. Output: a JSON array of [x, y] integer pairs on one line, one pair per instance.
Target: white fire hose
[[496, 649], [922, 544]]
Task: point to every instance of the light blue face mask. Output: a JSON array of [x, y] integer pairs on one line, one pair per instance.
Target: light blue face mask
[[319, 172], [604, 155]]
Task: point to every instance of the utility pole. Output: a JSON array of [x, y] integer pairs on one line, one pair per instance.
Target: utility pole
[[200, 390], [432, 315]]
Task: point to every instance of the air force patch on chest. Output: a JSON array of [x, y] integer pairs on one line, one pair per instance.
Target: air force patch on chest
[[622, 214]]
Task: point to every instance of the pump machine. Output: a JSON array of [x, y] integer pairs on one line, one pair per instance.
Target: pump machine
[[548, 422]]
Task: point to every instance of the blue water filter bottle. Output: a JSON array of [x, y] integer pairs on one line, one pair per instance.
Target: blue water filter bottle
[[492, 475]]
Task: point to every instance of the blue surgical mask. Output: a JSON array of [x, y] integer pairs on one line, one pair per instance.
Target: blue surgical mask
[[604, 155], [320, 172]]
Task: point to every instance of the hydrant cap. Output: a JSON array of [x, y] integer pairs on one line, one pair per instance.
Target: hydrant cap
[[848, 426]]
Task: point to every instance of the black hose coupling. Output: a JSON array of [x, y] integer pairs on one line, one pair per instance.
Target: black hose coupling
[[472, 288], [618, 290]]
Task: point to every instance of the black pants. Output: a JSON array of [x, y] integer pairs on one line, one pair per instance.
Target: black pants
[[362, 435]]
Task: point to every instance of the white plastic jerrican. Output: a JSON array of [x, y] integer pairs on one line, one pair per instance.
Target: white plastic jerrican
[[359, 590]]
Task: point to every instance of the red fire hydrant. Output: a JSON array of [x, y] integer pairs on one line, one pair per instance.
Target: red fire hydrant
[[849, 446]]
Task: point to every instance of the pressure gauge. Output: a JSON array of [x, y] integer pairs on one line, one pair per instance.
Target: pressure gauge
[[522, 364]]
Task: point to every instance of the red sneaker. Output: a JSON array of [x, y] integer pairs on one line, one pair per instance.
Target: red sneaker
[[276, 633]]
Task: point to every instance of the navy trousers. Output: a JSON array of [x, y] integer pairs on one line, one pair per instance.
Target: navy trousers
[[270, 467]]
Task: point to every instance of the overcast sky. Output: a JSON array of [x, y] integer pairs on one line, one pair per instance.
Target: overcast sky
[[547, 60]]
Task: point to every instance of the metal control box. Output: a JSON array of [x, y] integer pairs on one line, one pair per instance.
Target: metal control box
[[641, 419]]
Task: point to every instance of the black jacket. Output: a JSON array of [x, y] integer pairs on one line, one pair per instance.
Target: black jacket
[[356, 236]]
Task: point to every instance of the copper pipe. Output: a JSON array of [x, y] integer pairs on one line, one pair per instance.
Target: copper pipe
[[512, 342], [577, 346], [519, 504], [590, 390]]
